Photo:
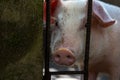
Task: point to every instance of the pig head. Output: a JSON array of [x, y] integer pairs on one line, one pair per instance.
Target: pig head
[[68, 19]]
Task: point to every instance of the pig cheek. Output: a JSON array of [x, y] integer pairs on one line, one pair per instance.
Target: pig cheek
[[81, 46], [55, 40], [80, 52]]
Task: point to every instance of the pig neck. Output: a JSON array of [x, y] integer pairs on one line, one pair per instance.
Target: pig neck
[[104, 48]]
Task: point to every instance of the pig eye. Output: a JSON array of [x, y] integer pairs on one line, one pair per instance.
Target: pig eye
[[54, 26], [56, 23]]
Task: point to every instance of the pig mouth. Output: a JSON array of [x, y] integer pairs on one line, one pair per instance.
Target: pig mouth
[[64, 65]]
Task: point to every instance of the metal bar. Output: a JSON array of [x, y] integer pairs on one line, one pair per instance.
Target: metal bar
[[87, 46], [67, 72], [47, 41]]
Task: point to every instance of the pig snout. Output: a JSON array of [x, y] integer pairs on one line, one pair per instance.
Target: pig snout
[[64, 56]]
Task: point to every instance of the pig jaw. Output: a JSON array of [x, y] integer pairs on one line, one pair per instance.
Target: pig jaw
[[70, 32]]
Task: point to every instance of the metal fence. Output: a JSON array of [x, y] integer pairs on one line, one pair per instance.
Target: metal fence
[[48, 74]]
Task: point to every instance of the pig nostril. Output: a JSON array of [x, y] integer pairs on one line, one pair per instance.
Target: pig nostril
[[68, 56], [58, 56]]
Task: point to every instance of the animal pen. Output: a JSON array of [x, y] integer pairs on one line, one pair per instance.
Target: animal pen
[[48, 74]]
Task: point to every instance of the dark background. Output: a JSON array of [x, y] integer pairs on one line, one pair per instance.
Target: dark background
[[115, 2], [21, 39]]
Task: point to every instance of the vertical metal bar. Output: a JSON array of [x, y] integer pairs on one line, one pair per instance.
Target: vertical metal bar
[[87, 46], [47, 41]]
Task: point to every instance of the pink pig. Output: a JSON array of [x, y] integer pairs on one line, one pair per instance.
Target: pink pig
[[68, 36]]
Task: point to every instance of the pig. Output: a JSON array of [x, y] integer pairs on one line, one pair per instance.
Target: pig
[[68, 36]]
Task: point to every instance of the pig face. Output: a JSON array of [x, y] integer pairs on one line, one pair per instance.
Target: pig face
[[68, 20], [69, 28]]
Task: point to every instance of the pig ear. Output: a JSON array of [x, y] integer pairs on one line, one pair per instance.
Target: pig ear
[[44, 11], [100, 13], [53, 6]]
